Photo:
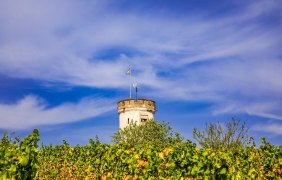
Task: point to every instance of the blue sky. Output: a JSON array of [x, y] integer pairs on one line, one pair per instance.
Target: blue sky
[[63, 65]]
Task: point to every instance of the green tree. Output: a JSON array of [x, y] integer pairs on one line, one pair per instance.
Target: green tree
[[231, 136], [150, 132]]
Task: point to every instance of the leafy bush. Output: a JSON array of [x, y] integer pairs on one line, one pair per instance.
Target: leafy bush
[[151, 132], [18, 159], [232, 136]]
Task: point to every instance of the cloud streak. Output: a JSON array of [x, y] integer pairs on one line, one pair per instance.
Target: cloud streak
[[32, 111], [229, 60], [272, 128]]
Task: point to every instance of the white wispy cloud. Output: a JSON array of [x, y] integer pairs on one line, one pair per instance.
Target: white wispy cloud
[[32, 111], [272, 128], [235, 57], [266, 109]]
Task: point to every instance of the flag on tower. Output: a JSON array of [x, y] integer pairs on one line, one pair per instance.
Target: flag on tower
[[128, 71]]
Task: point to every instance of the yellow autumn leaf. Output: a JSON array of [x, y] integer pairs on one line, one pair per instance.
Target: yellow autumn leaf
[[161, 154]]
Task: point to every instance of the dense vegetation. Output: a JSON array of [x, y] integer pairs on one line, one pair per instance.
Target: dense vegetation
[[19, 159], [232, 135], [180, 160], [151, 132]]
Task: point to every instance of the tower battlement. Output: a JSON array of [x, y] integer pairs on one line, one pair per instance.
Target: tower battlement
[[130, 104], [138, 111]]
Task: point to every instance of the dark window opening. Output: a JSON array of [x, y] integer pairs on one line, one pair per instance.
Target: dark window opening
[[143, 120]]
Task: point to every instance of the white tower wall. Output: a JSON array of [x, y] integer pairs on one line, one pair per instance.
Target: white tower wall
[[138, 111]]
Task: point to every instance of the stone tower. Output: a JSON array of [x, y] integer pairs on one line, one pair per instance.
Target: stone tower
[[139, 111]]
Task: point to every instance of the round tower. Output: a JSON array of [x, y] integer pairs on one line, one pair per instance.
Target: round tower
[[139, 111]]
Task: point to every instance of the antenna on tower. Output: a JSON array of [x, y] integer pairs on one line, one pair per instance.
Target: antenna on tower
[[129, 73], [135, 85]]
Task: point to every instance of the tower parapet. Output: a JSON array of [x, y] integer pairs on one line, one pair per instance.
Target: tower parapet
[[139, 111]]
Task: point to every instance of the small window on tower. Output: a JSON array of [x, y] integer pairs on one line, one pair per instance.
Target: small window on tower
[[143, 120]]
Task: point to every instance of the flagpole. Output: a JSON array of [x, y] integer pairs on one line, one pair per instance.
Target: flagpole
[[130, 84]]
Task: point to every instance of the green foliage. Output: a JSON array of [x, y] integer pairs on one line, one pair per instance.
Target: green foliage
[[150, 132], [121, 161], [18, 159], [231, 136], [22, 160]]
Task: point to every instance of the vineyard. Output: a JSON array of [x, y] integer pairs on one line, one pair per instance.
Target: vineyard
[[23, 159]]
